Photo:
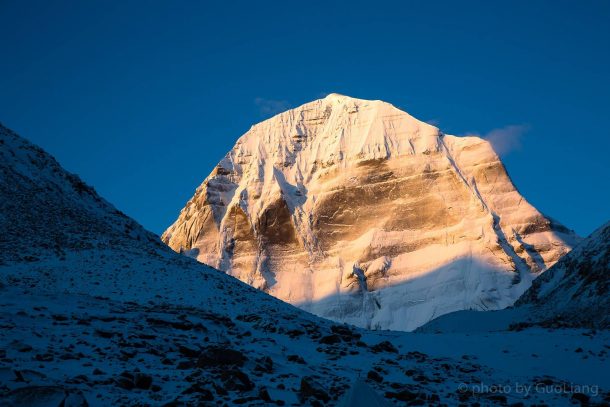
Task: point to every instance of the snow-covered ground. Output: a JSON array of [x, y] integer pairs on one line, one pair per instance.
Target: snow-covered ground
[[113, 353]]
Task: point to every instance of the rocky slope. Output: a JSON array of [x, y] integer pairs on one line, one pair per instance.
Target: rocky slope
[[113, 317], [53, 211], [576, 290], [358, 212]]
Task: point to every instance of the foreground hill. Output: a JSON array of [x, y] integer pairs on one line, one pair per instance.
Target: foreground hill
[[576, 291], [95, 311], [356, 211]]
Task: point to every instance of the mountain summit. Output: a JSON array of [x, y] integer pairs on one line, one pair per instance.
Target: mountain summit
[[356, 211]]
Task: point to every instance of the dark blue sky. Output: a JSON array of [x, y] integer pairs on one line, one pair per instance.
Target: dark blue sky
[[142, 99]]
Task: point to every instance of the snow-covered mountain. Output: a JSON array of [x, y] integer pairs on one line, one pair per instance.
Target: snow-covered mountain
[[95, 311], [356, 211]]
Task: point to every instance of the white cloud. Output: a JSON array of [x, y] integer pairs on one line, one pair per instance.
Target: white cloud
[[507, 139], [270, 106]]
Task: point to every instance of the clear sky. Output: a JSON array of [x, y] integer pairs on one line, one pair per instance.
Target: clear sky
[[142, 99]]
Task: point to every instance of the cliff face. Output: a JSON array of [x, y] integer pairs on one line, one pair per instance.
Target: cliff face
[[356, 211]]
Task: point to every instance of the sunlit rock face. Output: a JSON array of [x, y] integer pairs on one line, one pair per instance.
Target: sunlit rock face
[[356, 211]]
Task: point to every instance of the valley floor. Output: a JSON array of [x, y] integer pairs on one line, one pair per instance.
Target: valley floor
[[70, 348]]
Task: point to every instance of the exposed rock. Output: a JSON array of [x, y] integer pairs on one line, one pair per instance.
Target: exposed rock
[[296, 359], [220, 356], [44, 396], [182, 365], [125, 382], [384, 346], [46, 357], [235, 379], [374, 376], [346, 333], [264, 364], [75, 399], [188, 351], [263, 394], [403, 395], [310, 388], [244, 400], [330, 339], [201, 389], [142, 381]]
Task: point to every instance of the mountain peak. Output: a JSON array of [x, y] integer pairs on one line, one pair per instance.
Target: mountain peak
[[338, 97], [338, 128], [334, 95], [343, 198]]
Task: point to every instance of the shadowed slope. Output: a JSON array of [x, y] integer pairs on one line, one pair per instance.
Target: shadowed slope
[[46, 209], [576, 290]]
